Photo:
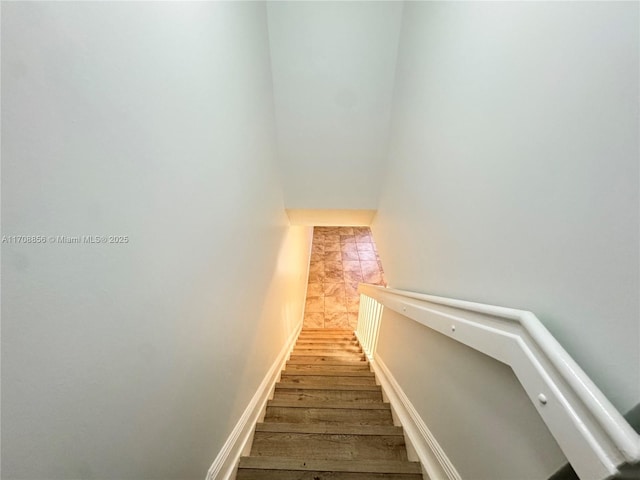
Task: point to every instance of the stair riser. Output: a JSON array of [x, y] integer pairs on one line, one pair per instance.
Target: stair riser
[[324, 330], [330, 338], [326, 380], [327, 419], [385, 467], [327, 333], [328, 346], [295, 368], [328, 352], [255, 474], [326, 446], [308, 428], [331, 416], [319, 359], [332, 350], [328, 396]]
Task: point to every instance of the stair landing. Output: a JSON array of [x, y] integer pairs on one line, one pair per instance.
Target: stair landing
[[327, 419]]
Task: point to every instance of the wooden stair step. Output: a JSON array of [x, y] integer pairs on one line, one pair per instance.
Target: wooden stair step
[[296, 366], [312, 369], [329, 347], [325, 381], [262, 474], [328, 396], [326, 341], [339, 330], [328, 382], [330, 372], [352, 466], [326, 446], [348, 388], [328, 416], [327, 360], [329, 405], [327, 419], [327, 353], [349, 356], [329, 429], [327, 332], [329, 335]]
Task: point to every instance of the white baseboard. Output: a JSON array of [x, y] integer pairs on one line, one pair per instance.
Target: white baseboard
[[429, 452], [223, 467]]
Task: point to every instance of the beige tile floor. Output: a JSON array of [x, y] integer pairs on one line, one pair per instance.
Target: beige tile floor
[[341, 257]]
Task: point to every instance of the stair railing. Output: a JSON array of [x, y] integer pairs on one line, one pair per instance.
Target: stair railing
[[596, 439], [369, 316]]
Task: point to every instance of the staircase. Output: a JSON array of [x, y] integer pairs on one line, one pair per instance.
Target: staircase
[[327, 420]]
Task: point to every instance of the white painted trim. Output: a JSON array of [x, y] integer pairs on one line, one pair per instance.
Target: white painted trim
[[429, 451], [593, 435], [223, 467]]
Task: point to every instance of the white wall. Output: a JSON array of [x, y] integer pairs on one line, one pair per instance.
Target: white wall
[[152, 120], [513, 170], [333, 70], [472, 404]]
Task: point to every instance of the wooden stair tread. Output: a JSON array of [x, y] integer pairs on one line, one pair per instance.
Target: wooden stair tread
[[327, 381], [333, 340], [356, 466], [328, 353], [326, 446], [330, 340], [329, 347], [329, 405], [326, 330], [310, 359], [322, 386], [327, 419], [313, 428], [345, 347], [327, 335], [338, 370], [328, 416], [329, 373], [329, 396], [338, 362]]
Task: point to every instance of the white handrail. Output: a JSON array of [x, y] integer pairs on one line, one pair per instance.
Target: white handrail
[[593, 435]]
